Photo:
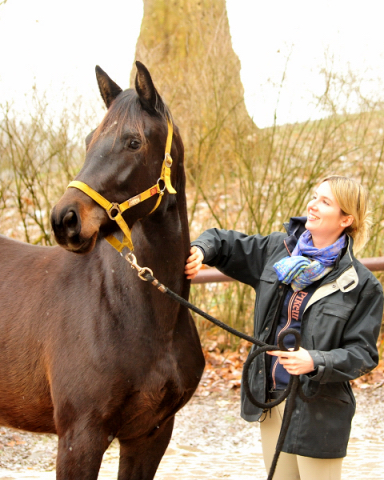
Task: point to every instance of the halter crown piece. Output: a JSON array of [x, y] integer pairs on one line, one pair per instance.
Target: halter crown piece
[[115, 210]]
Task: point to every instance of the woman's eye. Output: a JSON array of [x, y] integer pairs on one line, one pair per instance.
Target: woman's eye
[[133, 144]]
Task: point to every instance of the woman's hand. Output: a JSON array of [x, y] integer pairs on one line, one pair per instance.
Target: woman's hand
[[295, 362], [194, 263]]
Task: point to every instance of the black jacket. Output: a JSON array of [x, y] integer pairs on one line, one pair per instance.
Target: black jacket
[[340, 327]]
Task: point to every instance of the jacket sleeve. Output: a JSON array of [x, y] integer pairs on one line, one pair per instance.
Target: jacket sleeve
[[237, 255], [357, 354]]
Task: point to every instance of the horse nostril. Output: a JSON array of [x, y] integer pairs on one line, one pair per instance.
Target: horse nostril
[[70, 223]]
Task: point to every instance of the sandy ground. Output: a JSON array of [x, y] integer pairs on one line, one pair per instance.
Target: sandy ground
[[210, 441]]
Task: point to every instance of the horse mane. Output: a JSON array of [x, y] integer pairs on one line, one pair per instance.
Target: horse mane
[[127, 111]]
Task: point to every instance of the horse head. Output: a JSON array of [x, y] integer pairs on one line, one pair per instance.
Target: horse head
[[125, 166]]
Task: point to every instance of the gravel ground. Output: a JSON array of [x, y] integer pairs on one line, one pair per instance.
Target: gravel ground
[[209, 423]]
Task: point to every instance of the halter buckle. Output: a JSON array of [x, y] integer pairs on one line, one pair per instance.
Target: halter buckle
[[114, 207], [168, 160]]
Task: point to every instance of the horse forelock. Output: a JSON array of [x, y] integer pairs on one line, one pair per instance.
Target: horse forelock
[[127, 112]]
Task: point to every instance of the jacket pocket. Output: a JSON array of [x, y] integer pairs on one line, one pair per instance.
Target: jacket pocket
[[340, 311], [337, 400], [336, 393], [327, 327], [333, 392]]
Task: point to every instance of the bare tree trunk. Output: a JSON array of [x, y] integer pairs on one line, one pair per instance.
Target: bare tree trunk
[[187, 46]]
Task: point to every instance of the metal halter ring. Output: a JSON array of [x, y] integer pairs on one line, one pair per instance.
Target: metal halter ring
[[162, 190], [114, 207]]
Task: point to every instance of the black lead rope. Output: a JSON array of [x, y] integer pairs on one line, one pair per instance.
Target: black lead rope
[[293, 388]]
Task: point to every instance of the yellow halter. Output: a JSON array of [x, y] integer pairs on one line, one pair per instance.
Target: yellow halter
[[115, 210]]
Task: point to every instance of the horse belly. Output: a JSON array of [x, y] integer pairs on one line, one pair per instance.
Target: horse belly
[[26, 407], [25, 399], [28, 416]]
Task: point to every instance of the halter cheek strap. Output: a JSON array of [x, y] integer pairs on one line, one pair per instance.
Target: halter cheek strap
[[115, 210]]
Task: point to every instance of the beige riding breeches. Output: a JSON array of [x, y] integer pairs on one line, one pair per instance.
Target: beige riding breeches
[[289, 466]]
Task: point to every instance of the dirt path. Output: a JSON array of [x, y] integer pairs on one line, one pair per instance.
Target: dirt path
[[210, 441]]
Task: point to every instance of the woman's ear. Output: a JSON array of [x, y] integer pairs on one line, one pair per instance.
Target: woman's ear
[[347, 221]]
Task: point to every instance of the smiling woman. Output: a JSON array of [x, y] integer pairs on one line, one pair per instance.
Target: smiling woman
[[307, 279], [352, 199], [325, 220]]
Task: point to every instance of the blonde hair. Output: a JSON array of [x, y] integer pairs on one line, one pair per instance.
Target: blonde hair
[[352, 198]]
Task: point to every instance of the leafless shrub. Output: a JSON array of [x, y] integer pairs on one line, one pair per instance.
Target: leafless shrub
[[272, 173], [239, 177], [39, 154]]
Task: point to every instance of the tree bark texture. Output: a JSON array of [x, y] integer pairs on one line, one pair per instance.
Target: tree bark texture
[[186, 44]]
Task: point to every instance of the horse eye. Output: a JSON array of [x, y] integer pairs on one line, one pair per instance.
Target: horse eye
[[133, 144]]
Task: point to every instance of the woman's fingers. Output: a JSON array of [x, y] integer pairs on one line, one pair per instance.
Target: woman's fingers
[[194, 262], [295, 362]]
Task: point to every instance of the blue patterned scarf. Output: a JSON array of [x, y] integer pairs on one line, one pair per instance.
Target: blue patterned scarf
[[300, 271]]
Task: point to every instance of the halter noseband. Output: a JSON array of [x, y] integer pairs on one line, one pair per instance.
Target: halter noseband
[[115, 210]]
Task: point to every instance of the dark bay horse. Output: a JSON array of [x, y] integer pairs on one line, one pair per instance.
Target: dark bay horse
[[87, 349]]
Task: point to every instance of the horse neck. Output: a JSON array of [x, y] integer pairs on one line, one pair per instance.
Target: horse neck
[[163, 244]]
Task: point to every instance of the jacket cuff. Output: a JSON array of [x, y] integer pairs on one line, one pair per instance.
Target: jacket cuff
[[323, 366], [319, 364], [202, 246]]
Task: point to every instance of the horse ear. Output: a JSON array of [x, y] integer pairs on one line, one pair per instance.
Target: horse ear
[[108, 88], [148, 95]]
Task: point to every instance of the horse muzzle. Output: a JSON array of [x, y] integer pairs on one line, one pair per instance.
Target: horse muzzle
[[76, 224]]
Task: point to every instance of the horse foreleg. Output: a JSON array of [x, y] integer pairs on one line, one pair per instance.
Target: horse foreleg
[[80, 453], [139, 460]]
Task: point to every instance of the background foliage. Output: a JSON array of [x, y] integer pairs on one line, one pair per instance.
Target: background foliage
[[239, 176]]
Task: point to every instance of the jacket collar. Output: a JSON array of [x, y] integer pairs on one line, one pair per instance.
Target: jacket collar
[[344, 261], [342, 278], [294, 228]]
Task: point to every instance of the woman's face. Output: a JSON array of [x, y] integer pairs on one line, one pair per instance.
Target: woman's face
[[325, 220]]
